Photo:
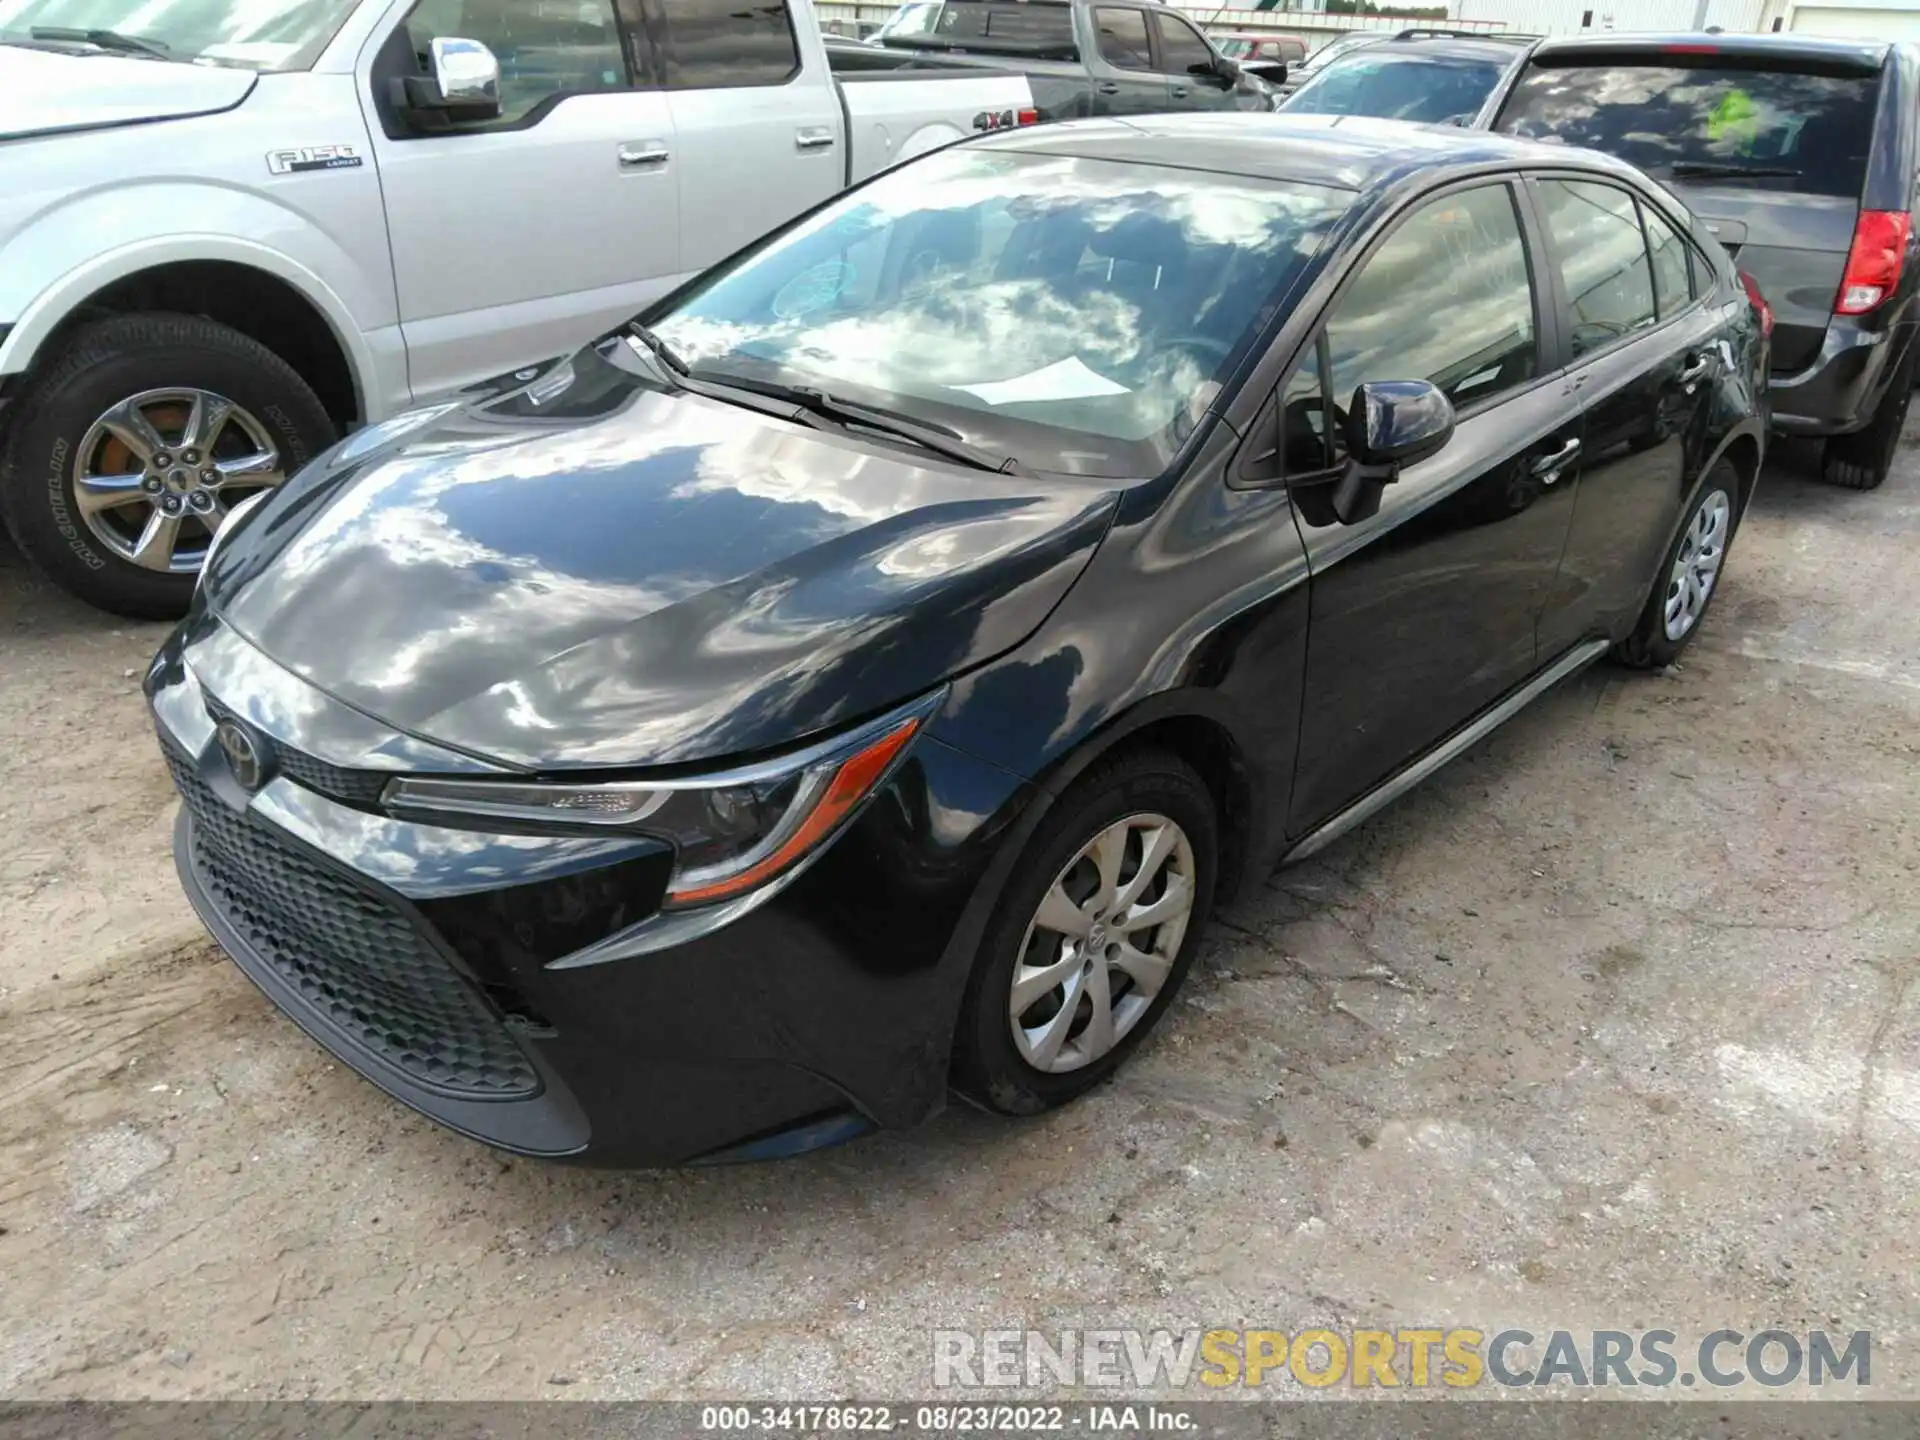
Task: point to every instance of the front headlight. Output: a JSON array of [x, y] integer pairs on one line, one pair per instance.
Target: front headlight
[[732, 832]]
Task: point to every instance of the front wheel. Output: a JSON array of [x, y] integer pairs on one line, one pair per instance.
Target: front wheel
[[1688, 576], [133, 442], [1094, 936]]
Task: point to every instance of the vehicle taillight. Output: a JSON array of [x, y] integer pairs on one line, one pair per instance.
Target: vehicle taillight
[[1759, 303], [1874, 263], [1029, 117]]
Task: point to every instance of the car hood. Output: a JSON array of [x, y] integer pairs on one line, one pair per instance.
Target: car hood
[[47, 91], [618, 576]]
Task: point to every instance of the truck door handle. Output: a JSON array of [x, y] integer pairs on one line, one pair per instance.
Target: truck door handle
[[642, 154], [1109, 87], [812, 137], [1180, 92], [1696, 370], [1548, 467]]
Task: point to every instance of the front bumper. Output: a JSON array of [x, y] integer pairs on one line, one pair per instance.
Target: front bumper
[[466, 973], [1839, 392]]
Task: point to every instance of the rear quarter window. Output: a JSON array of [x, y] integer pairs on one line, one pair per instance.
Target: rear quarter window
[[1778, 129]]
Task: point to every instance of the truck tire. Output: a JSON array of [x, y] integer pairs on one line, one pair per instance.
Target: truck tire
[[132, 440], [1860, 461]]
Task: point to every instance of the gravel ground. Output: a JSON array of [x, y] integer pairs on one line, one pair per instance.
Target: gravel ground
[[1613, 1025]]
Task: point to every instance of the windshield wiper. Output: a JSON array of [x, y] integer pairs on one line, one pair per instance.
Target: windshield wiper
[[927, 434], [1704, 169], [662, 351], [103, 40]]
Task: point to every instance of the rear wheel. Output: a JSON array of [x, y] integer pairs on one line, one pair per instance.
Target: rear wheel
[[1860, 461], [134, 441], [1689, 575], [1094, 936]]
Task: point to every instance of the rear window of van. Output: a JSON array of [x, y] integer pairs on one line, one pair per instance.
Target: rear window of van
[[1780, 129]]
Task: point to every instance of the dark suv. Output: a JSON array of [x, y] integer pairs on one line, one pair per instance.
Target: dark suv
[[1800, 155]]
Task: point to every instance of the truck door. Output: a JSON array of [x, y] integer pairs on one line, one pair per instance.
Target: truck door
[[759, 133], [525, 235], [1187, 62], [1127, 83]]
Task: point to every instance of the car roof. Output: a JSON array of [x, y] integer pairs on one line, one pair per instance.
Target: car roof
[[1347, 152], [1501, 49], [1869, 54]]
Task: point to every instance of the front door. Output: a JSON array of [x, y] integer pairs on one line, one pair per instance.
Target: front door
[[1187, 61], [524, 236], [757, 139], [1425, 614], [1129, 83]]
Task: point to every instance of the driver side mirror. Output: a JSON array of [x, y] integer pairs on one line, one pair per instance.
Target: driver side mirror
[[1390, 424], [462, 84]]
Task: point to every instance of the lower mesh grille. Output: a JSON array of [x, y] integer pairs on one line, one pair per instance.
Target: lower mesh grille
[[355, 960]]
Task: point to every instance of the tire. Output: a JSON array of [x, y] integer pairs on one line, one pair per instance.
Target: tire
[[1860, 461], [1713, 516], [1143, 793], [161, 362]]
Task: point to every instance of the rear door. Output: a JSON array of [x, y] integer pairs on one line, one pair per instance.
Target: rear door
[[758, 134], [1425, 614], [1128, 83], [1642, 355], [1772, 152]]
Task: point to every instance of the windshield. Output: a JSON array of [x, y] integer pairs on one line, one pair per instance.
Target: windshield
[[254, 34], [1422, 89], [916, 19], [1334, 49], [1816, 128], [1077, 314]]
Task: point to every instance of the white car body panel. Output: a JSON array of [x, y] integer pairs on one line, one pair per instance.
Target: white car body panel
[[435, 260], [45, 91]]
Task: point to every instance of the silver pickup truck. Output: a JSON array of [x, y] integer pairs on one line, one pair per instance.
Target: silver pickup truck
[[231, 231]]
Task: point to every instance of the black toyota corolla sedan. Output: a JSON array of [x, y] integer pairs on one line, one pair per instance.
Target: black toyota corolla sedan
[[861, 676]]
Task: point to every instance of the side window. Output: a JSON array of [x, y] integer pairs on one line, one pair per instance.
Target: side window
[[724, 44], [1603, 260], [1182, 51], [1672, 284], [1123, 39], [1446, 298], [546, 48]]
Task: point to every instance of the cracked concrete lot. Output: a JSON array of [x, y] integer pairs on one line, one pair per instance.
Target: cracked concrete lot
[[1613, 1025]]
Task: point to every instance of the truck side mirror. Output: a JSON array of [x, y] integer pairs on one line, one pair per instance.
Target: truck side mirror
[[462, 84]]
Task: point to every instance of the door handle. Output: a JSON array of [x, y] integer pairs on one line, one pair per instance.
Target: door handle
[[642, 154], [1696, 370], [1109, 87], [1180, 92], [812, 137], [1548, 467]]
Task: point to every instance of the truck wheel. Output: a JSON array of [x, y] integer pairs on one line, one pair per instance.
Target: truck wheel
[[132, 442], [1860, 461]]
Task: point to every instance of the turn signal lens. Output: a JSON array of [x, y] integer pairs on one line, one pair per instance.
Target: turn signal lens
[[803, 828], [1874, 264]]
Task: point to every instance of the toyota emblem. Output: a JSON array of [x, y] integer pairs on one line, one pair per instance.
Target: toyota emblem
[[243, 755]]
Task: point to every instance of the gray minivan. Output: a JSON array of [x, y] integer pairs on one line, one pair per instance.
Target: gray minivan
[[1801, 155]]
